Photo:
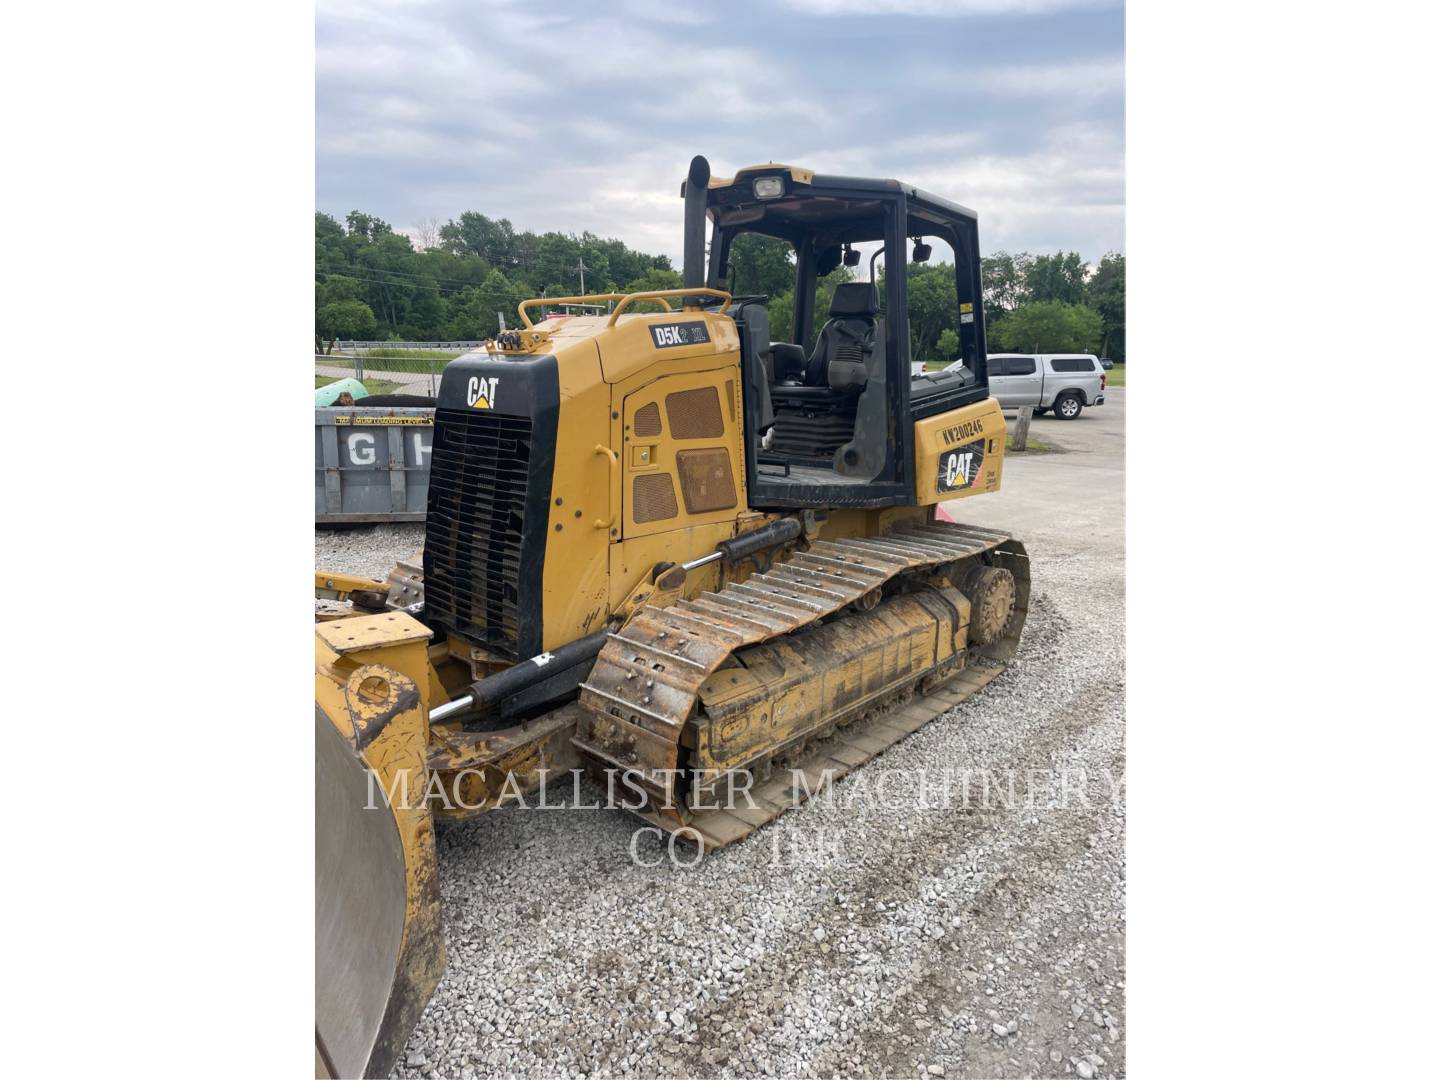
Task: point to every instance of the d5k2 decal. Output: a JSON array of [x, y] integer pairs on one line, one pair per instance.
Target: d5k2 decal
[[960, 467], [669, 335]]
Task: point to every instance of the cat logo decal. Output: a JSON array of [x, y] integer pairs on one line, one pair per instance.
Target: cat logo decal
[[480, 394]]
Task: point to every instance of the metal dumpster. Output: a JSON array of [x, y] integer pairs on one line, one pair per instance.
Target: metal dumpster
[[372, 464]]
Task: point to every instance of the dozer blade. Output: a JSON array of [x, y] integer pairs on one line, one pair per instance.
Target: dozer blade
[[379, 951]]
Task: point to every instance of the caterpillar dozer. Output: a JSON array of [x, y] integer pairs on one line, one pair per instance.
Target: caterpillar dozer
[[666, 546]]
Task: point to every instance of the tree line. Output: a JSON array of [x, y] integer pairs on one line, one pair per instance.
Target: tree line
[[1055, 303], [455, 282], [374, 283]]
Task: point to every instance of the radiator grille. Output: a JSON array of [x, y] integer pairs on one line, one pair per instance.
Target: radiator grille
[[694, 414], [475, 521], [647, 420], [654, 498]]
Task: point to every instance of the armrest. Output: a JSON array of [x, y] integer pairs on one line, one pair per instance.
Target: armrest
[[787, 360]]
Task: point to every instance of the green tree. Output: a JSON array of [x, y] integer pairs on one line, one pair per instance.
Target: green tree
[[1050, 326], [782, 315], [344, 319], [556, 256], [948, 346], [475, 234], [475, 311], [366, 226], [1002, 278], [653, 280], [1105, 292], [332, 245], [426, 314], [1059, 277], [340, 311], [761, 265], [337, 288], [495, 296], [430, 293], [934, 307]]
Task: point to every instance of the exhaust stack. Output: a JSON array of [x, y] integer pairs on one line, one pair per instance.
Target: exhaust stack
[[695, 190]]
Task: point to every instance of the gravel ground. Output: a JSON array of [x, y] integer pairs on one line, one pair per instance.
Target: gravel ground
[[366, 549], [901, 929]]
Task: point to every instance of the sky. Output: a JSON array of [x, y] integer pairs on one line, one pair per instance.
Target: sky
[[584, 116]]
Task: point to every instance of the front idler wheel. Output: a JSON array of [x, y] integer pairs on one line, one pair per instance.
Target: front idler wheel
[[991, 592]]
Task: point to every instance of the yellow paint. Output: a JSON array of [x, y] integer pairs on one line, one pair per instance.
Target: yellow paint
[[657, 454], [374, 671], [383, 421], [333, 586], [796, 173], [937, 437], [592, 560]]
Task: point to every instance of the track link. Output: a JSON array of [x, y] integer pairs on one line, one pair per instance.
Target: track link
[[646, 682]]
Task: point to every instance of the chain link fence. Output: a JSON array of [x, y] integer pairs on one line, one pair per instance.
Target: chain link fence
[[390, 367]]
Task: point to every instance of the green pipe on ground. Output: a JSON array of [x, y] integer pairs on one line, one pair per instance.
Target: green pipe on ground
[[327, 394]]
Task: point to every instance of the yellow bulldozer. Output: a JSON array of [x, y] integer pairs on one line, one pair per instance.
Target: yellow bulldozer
[[666, 549]]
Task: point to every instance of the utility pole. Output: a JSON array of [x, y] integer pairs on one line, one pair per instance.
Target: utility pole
[[580, 265]]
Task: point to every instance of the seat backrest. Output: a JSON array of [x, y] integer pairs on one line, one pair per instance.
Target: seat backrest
[[857, 300], [754, 323], [839, 357]]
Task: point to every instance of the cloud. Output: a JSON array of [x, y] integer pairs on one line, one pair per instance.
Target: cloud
[[571, 118], [1085, 78], [1056, 198], [943, 8], [1066, 192]]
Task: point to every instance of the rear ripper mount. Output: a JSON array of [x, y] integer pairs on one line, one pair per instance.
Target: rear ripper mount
[[844, 631]]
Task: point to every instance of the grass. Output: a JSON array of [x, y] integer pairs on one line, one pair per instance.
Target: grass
[[1032, 446], [409, 361], [375, 386], [419, 365], [410, 354]]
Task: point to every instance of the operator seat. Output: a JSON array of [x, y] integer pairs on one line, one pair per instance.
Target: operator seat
[[838, 360]]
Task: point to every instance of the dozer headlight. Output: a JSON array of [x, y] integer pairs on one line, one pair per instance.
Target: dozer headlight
[[769, 187]]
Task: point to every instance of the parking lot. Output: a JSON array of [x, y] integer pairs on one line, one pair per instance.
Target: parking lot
[[1072, 494], [925, 921]]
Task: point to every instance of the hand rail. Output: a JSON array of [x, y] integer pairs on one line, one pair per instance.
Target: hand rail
[[540, 301], [624, 301], [612, 459], [661, 295]]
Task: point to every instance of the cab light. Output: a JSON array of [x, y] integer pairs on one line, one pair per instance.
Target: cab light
[[769, 187]]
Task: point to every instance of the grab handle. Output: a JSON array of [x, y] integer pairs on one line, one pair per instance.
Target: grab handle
[[663, 296], [613, 460]]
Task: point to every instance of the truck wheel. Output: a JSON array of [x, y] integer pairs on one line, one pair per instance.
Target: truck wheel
[[1067, 407]]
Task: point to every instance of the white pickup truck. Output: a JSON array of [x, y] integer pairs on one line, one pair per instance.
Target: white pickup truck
[[1065, 382]]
